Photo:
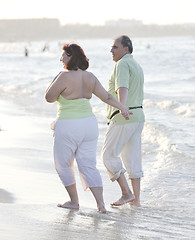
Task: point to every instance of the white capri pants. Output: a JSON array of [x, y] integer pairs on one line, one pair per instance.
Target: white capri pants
[[122, 145], [77, 138]]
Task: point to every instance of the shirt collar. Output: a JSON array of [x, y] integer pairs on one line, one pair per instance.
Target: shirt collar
[[127, 55]]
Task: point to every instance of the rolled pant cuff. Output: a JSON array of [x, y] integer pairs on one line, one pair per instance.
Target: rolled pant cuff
[[117, 175], [135, 175]]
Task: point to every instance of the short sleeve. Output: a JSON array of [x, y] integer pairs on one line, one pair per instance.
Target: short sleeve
[[122, 75]]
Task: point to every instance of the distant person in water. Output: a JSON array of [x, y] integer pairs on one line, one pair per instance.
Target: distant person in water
[[122, 146], [26, 52], [45, 48], [76, 128]]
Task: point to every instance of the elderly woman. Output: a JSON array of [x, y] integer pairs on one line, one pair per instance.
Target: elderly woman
[[76, 128]]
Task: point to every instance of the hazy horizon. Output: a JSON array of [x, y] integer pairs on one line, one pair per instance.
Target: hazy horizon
[[107, 22], [165, 12]]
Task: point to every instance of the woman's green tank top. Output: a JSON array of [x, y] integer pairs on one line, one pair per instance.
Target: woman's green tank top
[[73, 109]]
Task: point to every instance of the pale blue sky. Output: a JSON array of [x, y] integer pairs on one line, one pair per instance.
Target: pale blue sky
[[97, 12]]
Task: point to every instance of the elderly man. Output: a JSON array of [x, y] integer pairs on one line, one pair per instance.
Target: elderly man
[[122, 147]]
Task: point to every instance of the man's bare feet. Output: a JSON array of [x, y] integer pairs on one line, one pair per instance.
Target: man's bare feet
[[124, 199], [135, 203], [69, 205]]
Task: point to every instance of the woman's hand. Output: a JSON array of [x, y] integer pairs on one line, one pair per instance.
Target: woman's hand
[[125, 112]]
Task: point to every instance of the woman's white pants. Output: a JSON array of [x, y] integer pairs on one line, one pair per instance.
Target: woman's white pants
[[77, 139]]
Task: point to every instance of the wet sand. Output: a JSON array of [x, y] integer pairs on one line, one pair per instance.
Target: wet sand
[[30, 191], [30, 188]]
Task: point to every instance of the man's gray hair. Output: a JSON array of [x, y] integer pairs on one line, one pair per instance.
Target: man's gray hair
[[126, 42]]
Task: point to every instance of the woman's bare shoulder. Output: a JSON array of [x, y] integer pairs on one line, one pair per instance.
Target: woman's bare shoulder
[[63, 76], [64, 73], [91, 75]]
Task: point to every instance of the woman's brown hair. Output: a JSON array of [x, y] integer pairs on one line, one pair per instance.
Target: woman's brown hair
[[78, 59]]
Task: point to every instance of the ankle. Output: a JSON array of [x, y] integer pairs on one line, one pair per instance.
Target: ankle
[[74, 201], [101, 208], [127, 194]]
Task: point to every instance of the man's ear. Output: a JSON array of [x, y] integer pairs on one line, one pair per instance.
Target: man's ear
[[127, 49]]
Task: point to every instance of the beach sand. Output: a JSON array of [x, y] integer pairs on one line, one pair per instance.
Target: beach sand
[[30, 191], [30, 187]]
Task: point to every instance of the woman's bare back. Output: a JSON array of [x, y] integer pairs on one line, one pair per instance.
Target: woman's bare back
[[78, 84]]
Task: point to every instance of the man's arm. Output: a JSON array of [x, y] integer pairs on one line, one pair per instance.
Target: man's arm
[[122, 95]]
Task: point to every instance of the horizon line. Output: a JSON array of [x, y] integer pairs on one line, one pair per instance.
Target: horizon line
[[79, 23]]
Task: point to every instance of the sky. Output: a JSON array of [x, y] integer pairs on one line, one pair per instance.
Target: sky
[[97, 12]]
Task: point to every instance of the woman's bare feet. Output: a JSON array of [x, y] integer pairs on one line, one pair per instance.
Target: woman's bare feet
[[124, 199], [69, 205], [102, 209]]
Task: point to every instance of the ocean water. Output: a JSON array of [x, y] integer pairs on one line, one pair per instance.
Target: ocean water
[[167, 189]]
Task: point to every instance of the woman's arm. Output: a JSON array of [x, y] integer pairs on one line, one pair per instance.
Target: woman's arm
[[106, 97], [55, 88]]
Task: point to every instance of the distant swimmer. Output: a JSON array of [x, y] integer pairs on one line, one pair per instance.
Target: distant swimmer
[[46, 48], [26, 52], [148, 46]]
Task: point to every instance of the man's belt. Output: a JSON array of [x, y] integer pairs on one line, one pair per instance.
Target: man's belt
[[117, 111]]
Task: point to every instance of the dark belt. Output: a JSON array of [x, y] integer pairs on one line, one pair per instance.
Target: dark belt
[[117, 111]]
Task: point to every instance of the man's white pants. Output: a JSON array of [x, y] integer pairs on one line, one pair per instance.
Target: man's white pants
[[122, 145]]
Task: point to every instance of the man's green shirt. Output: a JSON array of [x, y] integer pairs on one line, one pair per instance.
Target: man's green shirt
[[129, 74]]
